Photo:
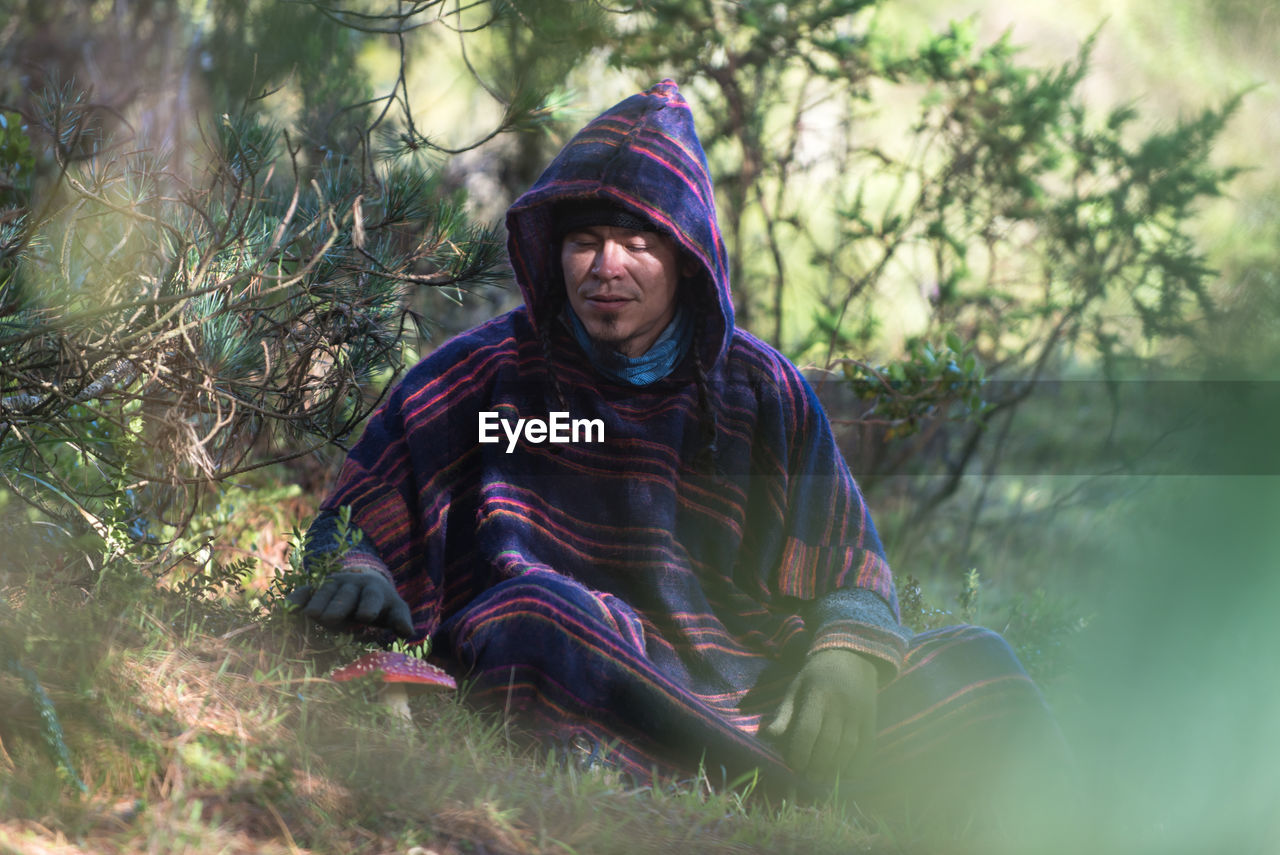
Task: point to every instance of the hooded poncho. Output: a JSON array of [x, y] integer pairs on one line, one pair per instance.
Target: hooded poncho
[[622, 590]]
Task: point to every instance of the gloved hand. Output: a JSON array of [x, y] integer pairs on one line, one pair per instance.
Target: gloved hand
[[826, 723], [354, 598]]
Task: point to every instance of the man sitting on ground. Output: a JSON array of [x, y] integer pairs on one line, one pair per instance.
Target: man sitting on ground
[[703, 584]]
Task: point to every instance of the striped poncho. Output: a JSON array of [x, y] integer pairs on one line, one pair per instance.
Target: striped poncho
[[622, 590]]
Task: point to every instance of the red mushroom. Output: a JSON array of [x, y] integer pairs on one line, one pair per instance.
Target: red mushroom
[[398, 672]]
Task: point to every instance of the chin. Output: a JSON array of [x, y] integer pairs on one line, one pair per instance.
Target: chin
[[606, 333], [610, 342]]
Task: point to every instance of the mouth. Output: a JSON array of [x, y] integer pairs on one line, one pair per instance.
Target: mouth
[[607, 302]]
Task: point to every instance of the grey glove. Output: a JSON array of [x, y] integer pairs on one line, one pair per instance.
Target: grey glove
[[826, 724], [343, 599]]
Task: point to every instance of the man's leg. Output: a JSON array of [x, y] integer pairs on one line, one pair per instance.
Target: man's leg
[[571, 661], [965, 734]]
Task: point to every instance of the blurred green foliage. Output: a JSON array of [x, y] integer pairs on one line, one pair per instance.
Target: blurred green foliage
[[928, 386], [17, 162], [212, 272], [947, 187]]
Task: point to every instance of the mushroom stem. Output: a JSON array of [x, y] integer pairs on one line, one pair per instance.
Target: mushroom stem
[[396, 698]]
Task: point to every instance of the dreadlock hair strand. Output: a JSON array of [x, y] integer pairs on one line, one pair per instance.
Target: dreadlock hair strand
[[706, 457], [548, 310]]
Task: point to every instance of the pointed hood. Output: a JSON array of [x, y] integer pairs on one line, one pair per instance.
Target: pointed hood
[[643, 156]]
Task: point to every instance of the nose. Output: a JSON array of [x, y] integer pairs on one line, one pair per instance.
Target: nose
[[608, 261]]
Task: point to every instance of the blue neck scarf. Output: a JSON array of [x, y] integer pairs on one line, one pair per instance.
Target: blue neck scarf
[[654, 364]]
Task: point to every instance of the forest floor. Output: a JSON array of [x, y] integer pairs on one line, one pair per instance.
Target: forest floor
[[195, 728]]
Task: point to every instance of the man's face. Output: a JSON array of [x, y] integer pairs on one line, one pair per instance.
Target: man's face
[[622, 284]]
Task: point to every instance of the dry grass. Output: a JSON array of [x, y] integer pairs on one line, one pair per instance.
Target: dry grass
[[197, 730]]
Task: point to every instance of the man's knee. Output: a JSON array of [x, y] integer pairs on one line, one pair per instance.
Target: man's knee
[[539, 619], [957, 678], [962, 649]]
